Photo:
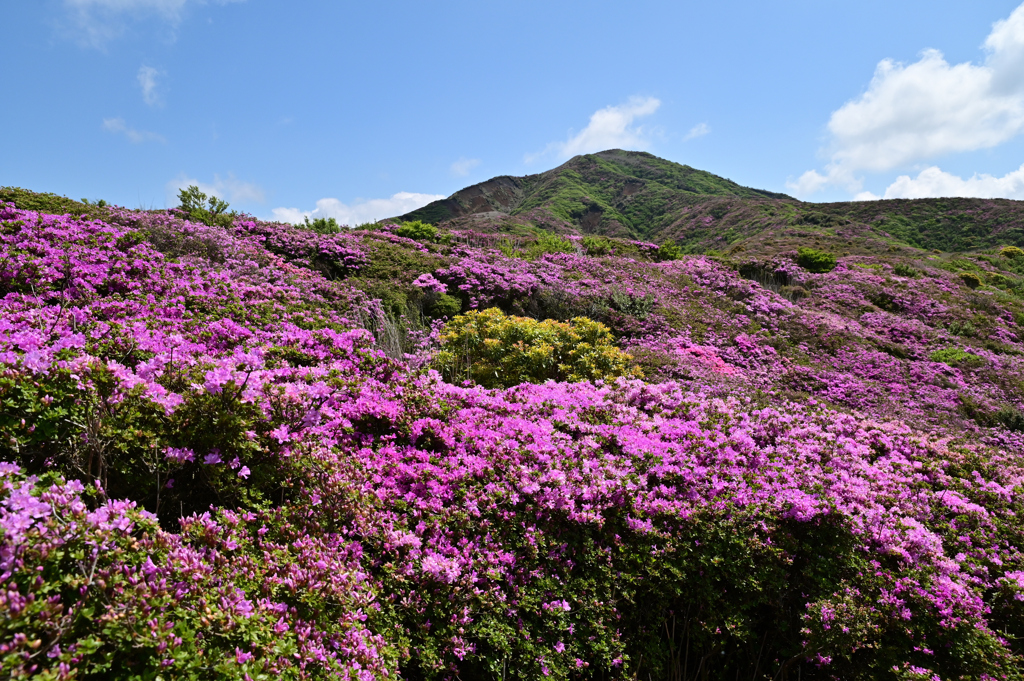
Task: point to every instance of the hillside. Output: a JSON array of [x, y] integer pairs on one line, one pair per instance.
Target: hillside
[[238, 449], [614, 193], [638, 196]]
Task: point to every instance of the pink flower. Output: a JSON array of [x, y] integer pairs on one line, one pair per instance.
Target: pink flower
[[217, 378], [179, 456], [281, 434], [428, 282]]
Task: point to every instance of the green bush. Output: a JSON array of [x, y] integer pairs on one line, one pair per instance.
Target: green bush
[[200, 208], [51, 203], [321, 225], [970, 279], [394, 265], [417, 230], [596, 245], [443, 305], [999, 280], [885, 300], [815, 261], [669, 251], [904, 270], [543, 244], [119, 439], [959, 328], [498, 351], [1010, 418], [956, 357], [1006, 416], [549, 243], [1011, 252], [555, 303], [631, 304]]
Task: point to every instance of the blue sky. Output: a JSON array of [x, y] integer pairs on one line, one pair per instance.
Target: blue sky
[[365, 110]]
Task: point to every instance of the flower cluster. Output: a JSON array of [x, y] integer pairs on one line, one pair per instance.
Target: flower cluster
[[93, 588]]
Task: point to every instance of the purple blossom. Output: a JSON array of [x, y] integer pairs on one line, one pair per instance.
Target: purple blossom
[[179, 455]]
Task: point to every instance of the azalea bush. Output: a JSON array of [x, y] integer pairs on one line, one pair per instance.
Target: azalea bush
[[225, 458], [94, 588]]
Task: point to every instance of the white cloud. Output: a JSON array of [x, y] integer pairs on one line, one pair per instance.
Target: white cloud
[[696, 131], [117, 125], [362, 211], [462, 167], [147, 77], [866, 196], [808, 183], [229, 188], [609, 128], [933, 182], [927, 109], [94, 23]]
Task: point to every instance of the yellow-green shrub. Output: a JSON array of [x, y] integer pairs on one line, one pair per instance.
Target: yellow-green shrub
[[970, 279], [495, 350]]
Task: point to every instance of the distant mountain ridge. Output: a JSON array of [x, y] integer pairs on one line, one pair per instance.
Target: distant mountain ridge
[[637, 195], [612, 192]]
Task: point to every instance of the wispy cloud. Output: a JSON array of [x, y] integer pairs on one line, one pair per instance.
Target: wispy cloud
[[147, 78], [930, 108], [94, 23], [609, 128], [229, 188], [118, 126], [462, 167], [696, 131], [360, 211]]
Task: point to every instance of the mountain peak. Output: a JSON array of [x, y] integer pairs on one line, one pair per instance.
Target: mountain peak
[[614, 192]]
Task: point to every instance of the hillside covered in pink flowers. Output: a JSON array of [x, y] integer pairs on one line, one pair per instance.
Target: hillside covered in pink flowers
[[230, 449]]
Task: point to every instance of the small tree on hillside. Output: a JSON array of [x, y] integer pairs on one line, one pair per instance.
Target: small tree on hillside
[[200, 208]]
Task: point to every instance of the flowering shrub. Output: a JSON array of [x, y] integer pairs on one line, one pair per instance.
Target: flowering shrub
[[494, 350], [827, 487], [94, 588]]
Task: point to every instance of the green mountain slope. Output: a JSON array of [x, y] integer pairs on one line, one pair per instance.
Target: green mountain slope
[[615, 192], [639, 196]]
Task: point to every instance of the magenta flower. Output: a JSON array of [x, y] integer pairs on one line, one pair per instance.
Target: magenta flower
[[179, 455]]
